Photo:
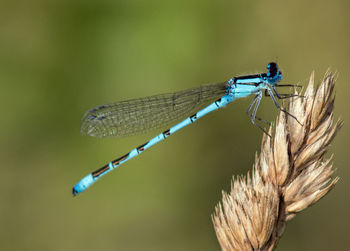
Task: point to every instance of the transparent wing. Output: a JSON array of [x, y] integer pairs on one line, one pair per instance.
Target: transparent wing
[[138, 115]]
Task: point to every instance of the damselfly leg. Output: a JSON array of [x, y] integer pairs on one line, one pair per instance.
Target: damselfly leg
[[256, 103], [271, 94]]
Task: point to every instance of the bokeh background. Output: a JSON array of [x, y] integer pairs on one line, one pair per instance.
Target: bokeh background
[[59, 58]]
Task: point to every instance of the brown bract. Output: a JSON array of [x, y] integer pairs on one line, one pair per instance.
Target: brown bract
[[290, 174]]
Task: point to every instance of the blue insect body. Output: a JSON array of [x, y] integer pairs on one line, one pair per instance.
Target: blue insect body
[[133, 116]]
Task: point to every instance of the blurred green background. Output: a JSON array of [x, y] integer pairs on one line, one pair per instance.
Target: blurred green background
[[59, 58]]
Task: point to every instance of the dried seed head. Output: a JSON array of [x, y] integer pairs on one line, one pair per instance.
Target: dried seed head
[[290, 174]]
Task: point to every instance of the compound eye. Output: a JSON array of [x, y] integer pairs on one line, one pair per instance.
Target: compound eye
[[272, 69]]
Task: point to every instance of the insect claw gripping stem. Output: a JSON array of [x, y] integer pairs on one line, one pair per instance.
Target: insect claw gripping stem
[[279, 107]]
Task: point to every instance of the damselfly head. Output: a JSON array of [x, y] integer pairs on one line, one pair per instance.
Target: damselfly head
[[273, 74]]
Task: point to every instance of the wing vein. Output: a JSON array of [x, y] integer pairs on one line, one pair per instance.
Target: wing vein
[[134, 116]]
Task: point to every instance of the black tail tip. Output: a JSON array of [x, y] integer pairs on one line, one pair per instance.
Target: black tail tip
[[74, 192]]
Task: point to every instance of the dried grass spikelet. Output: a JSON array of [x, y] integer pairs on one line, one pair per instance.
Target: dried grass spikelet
[[290, 174]]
